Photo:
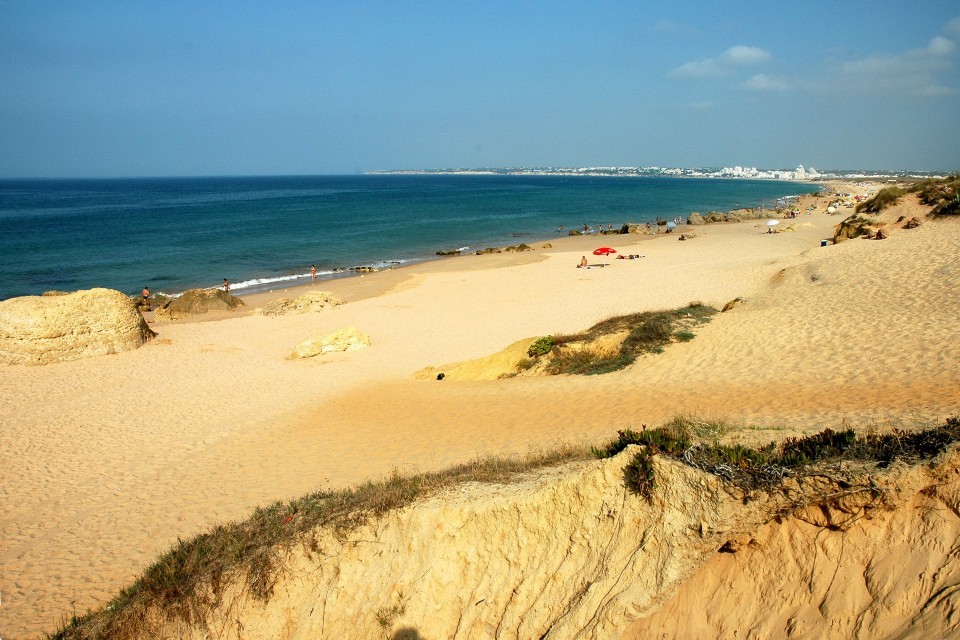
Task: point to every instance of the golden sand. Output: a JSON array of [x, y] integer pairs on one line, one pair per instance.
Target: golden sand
[[105, 462]]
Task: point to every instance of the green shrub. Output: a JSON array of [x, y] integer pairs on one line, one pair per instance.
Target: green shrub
[[884, 198], [541, 347], [647, 332], [638, 474], [659, 439]]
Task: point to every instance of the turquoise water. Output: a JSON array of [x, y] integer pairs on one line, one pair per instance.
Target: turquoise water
[[173, 234]]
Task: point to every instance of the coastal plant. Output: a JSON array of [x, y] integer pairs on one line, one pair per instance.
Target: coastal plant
[[639, 476], [660, 440], [646, 332], [541, 346], [692, 426], [943, 195], [881, 200], [762, 468], [187, 580]]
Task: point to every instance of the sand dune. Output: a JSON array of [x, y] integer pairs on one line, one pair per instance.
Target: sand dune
[[106, 461]]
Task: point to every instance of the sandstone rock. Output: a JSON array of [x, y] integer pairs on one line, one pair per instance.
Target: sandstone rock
[[695, 218], [912, 223], [481, 252], [882, 234], [310, 301], [58, 328], [55, 293], [570, 553], [347, 339], [715, 216], [854, 227], [197, 302], [518, 248], [733, 304]]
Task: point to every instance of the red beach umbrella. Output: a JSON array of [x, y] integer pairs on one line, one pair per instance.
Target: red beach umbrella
[[604, 251]]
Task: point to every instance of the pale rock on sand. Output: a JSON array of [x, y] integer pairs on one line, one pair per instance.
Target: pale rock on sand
[[46, 329], [347, 339], [310, 301]]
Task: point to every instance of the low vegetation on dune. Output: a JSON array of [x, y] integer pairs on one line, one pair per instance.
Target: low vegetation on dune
[[943, 195], [615, 343], [764, 468], [187, 581]]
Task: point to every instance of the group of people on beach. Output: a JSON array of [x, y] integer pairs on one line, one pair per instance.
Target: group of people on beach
[[145, 293]]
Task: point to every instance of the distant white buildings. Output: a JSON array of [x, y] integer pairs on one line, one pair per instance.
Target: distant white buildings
[[774, 174]]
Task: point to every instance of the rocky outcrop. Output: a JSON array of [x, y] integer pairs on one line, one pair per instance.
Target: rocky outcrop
[[195, 302], [69, 326], [695, 219], [347, 339], [733, 304], [312, 301], [855, 226], [571, 553]]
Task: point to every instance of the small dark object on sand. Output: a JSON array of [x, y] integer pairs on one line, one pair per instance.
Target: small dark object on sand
[[441, 376]]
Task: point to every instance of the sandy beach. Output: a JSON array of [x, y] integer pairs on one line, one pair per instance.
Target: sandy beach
[[106, 462]]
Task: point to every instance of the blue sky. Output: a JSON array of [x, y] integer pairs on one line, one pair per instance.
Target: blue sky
[[91, 89]]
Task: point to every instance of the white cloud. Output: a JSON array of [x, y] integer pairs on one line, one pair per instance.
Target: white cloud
[[743, 56], [936, 90], [725, 64], [913, 72], [763, 82], [940, 46]]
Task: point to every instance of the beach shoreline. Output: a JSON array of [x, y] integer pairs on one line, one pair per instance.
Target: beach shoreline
[[109, 460]]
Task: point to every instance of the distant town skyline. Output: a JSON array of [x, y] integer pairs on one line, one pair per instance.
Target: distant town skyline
[[114, 89]]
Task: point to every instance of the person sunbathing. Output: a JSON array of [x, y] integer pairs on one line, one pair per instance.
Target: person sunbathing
[[583, 263]]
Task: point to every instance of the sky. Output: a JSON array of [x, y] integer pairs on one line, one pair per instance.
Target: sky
[[120, 89]]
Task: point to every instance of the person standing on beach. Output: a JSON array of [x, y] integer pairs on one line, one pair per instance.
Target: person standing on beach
[[313, 273], [146, 299], [226, 285]]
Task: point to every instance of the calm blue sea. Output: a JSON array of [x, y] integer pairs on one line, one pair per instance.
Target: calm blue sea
[[173, 234]]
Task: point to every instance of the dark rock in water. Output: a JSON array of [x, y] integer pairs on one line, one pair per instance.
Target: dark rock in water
[[481, 252], [574, 232], [452, 252], [197, 302]]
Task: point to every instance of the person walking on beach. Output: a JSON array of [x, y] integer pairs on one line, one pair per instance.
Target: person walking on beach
[[313, 273], [146, 299], [226, 285]]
